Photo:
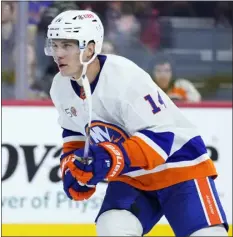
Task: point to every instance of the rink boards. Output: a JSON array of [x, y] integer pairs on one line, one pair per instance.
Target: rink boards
[[33, 202]]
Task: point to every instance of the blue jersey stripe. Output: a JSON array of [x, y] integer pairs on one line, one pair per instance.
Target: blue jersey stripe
[[67, 133], [194, 148], [163, 139]]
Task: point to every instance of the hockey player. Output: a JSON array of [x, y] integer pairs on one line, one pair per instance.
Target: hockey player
[[153, 157]]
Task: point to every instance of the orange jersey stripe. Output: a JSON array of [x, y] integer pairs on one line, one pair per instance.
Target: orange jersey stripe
[[208, 202], [141, 154], [74, 145], [171, 176]]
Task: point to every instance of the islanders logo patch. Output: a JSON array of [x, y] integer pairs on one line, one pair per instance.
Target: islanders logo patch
[[102, 132]]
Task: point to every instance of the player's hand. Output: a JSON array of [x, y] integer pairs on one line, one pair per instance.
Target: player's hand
[[108, 160], [71, 186]]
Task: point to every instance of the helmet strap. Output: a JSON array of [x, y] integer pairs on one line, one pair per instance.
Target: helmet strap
[[85, 65]]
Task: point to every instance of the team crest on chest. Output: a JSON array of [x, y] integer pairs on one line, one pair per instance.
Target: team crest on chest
[[102, 132]]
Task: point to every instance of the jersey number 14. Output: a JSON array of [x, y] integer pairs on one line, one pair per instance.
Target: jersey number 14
[[156, 105]]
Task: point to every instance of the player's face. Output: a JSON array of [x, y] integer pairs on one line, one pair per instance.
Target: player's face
[[66, 55], [162, 75]]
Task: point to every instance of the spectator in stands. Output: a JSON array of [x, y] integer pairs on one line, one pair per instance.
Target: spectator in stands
[[113, 13], [176, 89], [122, 26], [35, 11], [128, 24], [150, 27], [9, 50], [36, 8], [8, 46], [108, 48]]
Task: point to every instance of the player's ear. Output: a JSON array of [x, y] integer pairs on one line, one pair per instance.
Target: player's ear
[[90, 49]]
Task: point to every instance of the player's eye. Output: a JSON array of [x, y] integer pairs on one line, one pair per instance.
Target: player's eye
[[54, 46], [67, 45]]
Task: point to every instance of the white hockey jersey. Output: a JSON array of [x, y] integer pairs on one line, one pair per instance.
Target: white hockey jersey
[[128, 107]]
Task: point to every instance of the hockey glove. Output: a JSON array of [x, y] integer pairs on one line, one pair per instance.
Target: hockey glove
[[108, 160], [72, 188]]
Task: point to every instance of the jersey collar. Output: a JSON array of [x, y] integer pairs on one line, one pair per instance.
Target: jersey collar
[[77, 88]]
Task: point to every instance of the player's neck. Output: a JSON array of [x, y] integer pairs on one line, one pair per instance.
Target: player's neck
[[92, 70]]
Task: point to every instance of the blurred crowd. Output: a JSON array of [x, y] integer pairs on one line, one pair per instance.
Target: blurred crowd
[[127, 24]]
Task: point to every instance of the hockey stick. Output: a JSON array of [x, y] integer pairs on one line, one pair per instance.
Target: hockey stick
[[87, 90], [86, 159]]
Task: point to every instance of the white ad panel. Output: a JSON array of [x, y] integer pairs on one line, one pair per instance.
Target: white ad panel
[[31, 146]]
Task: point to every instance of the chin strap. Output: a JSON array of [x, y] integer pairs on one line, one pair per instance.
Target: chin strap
[[85, 65]]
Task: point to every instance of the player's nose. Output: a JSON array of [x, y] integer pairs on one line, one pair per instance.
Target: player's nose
[[59, 59], [60, 53]]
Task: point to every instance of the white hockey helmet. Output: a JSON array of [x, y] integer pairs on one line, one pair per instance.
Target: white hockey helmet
[[81, 25]]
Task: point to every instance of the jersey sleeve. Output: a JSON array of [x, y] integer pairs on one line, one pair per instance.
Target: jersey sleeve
[[146, 113], [72, 139]]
